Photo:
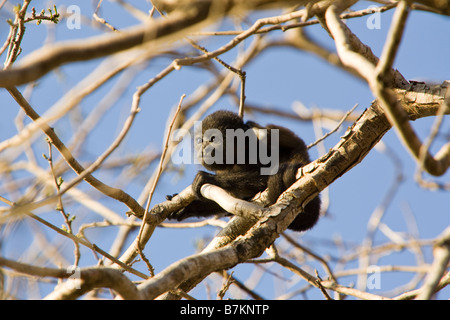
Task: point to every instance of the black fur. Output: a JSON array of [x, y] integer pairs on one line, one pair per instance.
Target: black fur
[[244, 180]]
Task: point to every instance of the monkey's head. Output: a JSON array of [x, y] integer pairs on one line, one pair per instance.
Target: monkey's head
[[210, 142]]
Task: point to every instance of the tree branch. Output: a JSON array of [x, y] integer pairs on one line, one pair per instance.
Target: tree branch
[[188, 15], [114, 193], [397, 116], [442, 6], [80, 281], [355, 144]]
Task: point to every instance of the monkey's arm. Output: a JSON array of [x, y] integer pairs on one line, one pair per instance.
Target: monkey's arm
[[240, 184], [277, 184], [198, 208]]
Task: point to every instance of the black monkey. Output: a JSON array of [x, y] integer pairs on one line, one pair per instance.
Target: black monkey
[[241, 176]]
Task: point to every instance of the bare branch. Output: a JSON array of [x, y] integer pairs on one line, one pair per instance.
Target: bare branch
[[353, 147], [438, 5], [441, 254], [156, 50], [176, 25], [76, 166], [397, 116]]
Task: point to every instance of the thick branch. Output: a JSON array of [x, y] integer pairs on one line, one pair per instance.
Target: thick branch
[[377, 77], [81, 280], [351, 150], [442, 6], [186, 273], [43, 60], [92, 278], [178, 23]]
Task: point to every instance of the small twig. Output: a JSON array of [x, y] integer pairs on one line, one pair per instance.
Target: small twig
[[155, 182], [241, 37], [327, 284], [319, 285], [285, 27], [444, 282], [79, 240], [376, 217], [156, 8], [85, 174], [215, 222], [8, 41], [53, 17], [441, 253], [60, 206], [242, 286], [227, 283], [18, 31], [426, 147], [274, 256], [312, 254], [182, 294], [344, 118], [242, 95], [101, 20], [239, 72]]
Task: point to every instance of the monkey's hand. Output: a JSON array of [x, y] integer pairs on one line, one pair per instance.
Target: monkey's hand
[[201, 207], [200, 179]]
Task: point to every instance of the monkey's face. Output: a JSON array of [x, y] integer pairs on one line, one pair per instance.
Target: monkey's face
[[210, 141], [210, 148]]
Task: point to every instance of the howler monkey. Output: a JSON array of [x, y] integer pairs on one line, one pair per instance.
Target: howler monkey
[[234, 151]]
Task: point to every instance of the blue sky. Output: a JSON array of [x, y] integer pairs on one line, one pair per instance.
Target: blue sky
[[279, 77]]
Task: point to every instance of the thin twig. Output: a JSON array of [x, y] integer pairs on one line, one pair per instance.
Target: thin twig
[[426, 147], [114, 193], [60, 206], [101, 20], [18, 32], [239, 72], [80, 241], [441, 254], [344, 118], [285, 27], [155, 182]]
